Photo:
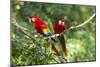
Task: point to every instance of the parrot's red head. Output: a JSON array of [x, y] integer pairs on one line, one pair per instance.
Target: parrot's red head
[[60, 26], [33, 18], [61, 23]]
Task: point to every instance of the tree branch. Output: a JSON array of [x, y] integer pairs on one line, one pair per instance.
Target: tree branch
[[74, 27], [29, 33], [25, 31], [85, 22]]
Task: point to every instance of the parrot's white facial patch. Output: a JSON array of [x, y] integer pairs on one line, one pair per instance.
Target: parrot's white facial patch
[[33, 19], [63, 23], [60, 22]]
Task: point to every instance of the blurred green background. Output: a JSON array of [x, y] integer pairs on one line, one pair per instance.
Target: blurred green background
[[80, 42]]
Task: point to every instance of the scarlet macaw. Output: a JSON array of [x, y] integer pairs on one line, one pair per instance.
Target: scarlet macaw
[[42, 28], [59, 27]]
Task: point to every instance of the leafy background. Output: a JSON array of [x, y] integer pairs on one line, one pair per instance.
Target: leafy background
[[79, 42]]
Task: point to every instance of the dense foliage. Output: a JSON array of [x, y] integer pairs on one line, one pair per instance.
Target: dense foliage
[[80, 42]]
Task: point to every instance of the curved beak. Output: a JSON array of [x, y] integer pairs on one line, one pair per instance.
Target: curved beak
[[29, 19]]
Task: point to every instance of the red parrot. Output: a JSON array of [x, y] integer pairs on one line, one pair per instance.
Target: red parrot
[[42, 28], [59, 27]]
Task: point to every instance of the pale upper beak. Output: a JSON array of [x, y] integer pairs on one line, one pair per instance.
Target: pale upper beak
[[33, 19], [30, 21]]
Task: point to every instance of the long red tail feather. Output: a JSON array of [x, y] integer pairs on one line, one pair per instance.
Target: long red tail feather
[[62, 41], [55, 50]]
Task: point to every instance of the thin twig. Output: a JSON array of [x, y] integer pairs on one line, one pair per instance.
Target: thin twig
[[85, 22], [56, 60], [74, 27]]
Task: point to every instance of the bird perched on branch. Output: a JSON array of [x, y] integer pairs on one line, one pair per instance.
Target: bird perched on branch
[[60, 27], [42, 29]]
